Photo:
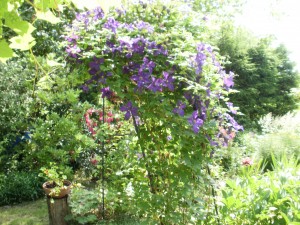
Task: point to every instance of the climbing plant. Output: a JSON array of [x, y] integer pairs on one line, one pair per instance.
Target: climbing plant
[[157, 61]]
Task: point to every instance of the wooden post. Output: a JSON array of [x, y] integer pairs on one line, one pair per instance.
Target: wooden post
[[58, 209]]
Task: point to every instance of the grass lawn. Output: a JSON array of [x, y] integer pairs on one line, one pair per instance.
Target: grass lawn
[[36, 213], [29, 213]]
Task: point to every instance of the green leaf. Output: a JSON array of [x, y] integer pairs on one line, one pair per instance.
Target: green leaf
[[47, 16], [21, 27], [45, 83], [230, 201], [22, 42], [43, 5], [52, 63], [5, 52]]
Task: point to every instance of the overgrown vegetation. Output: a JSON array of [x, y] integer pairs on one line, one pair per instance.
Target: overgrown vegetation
[[263, 198], [136, 109]]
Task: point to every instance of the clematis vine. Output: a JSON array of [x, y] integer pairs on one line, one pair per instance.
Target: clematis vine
[[148, 66], [171, 88]]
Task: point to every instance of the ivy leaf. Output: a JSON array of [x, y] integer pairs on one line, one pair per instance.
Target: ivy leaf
[[5, 52], [47, 16], [22, 42]]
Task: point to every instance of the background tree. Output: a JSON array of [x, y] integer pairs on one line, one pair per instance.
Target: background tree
[[265, 75]]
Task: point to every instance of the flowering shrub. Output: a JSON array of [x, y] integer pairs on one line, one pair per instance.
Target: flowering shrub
[[172, 87], [101, 124]]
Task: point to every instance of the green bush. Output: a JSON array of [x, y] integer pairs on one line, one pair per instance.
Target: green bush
[[17, 187], [15, 102], [84, 206]]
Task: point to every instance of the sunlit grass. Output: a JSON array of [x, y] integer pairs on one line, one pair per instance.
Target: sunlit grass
[[30, 213]]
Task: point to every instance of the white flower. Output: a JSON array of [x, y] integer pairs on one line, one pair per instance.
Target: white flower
[[129, 190]]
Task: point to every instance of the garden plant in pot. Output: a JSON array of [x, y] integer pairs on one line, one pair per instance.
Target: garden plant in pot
[[57, 185]]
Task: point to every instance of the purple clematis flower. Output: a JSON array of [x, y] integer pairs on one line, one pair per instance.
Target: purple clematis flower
[[98, 13], [234, 124], [144, 25], [72, 38], [231, 108], [195, 121], [180, 108], [200, 58], [129, 109], [95, 65], [168, 81], [106, 92], [142, 80], [84, 17], [156, 85], [228, 80], [111, 24], [73, 50], [85, 88], [138, 45]]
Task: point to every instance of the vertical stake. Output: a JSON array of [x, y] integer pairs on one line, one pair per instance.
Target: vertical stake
[[214, 197], [103, 121]]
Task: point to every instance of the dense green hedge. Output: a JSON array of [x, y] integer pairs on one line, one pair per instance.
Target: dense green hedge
[[17, 187]]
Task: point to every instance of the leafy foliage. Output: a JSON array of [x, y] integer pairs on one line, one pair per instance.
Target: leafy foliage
[[269, 198], [18, 187], [57, 113], [15, 104], [84, 205]]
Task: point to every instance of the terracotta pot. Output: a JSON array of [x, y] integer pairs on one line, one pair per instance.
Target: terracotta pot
[[63, 191]]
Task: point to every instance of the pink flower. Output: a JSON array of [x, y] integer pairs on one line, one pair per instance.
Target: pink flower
[[94, 161], [247, 161]]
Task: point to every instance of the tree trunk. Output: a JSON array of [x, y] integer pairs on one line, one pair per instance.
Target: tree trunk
[[57, 210]]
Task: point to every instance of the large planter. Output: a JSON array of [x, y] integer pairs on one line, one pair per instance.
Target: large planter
[[63, 191]]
